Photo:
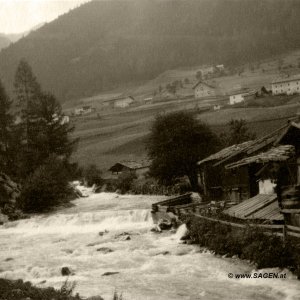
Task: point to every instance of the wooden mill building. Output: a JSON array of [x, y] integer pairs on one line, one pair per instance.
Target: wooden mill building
[[262, 176]]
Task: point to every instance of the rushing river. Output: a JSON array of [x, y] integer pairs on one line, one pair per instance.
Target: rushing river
[[150, 266]]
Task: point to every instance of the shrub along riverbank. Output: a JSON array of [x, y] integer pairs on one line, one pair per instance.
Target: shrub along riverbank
[[17, 290], [250, 243]]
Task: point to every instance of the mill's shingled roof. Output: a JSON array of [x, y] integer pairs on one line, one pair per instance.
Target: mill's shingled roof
[[260, 207], [226, 152], [250, 147], [280, 153]]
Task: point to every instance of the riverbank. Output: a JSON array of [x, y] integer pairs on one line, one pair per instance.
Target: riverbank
[[20, 290], [252, 244]]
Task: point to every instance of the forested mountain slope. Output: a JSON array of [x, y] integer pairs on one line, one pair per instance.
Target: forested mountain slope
[[103, 44], [4, 41]]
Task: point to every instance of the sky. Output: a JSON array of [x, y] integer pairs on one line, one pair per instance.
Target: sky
[[17, 16]]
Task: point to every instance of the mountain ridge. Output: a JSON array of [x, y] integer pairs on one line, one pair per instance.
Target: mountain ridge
[[103, 44]]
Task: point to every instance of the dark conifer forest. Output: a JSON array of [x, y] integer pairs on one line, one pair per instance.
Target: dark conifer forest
[[103, 44]]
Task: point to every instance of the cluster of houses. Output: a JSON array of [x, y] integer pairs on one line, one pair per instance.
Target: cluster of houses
[[283, 86], [257, 180], [113, 103]]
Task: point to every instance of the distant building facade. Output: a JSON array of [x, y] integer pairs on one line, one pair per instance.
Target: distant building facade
[[203, 89], [240, 96], [139, 168], [84, 110], [217, 107], [120, 102], [289, 85], [148, 100]]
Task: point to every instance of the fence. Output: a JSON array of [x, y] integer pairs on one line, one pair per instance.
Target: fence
[[279, 230]]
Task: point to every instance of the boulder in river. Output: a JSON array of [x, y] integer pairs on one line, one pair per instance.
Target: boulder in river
[[110, 273], [66, 271], [125, 238], [3, 219], [9, 193], [105, 250], [164, 224], [101, 233], [163, 253]]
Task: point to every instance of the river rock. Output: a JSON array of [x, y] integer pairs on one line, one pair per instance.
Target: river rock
[[164, 224], [10, 192], [156, 228], [3, 218], [95, 298], [163, 253], [9, 259], [110, 273], [105, 250], [125, 238], [66, 271], [101, 233]]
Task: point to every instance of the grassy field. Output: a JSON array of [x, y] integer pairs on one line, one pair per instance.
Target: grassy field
[[107, 141], [110, 136]]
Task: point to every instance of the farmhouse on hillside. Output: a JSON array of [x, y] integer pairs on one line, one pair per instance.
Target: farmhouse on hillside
[[289, 85], [133, 167], [120, 102], [203, 89], [240, 96]]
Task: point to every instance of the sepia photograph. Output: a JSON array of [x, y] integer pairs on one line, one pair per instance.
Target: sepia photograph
[[149, 149]]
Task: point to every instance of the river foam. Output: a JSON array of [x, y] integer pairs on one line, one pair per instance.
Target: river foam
[[148, 265]]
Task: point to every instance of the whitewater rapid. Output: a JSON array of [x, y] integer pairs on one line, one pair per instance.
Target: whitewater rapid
[[150, 266]]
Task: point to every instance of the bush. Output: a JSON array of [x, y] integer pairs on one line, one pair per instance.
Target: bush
[[249, 243], [92, 175], [19, 290], [124, 182], [48, 186]]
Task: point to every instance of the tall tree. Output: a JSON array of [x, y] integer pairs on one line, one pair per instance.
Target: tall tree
[[5, 130], [177, 141], [27, 89], [45, 131], [27, 94], [53, 130]]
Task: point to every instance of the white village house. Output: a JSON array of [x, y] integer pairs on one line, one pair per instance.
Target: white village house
[[86, 109], [203, 89], [217, 107], [289, 85], [240, 96], [120, 102]]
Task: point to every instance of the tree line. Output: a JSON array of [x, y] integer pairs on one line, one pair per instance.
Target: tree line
[[35, 143]]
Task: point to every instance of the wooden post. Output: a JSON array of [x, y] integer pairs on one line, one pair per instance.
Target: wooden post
[[284, 233]]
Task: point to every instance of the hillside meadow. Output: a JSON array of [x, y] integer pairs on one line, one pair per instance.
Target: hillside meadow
[[123, 136]]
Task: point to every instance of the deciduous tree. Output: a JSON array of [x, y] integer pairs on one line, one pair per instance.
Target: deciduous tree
[[177, 141]]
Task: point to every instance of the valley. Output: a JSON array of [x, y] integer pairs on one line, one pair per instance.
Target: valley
[[110, 135]]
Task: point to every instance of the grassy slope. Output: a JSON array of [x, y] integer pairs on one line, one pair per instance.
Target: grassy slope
[[121, 134]]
